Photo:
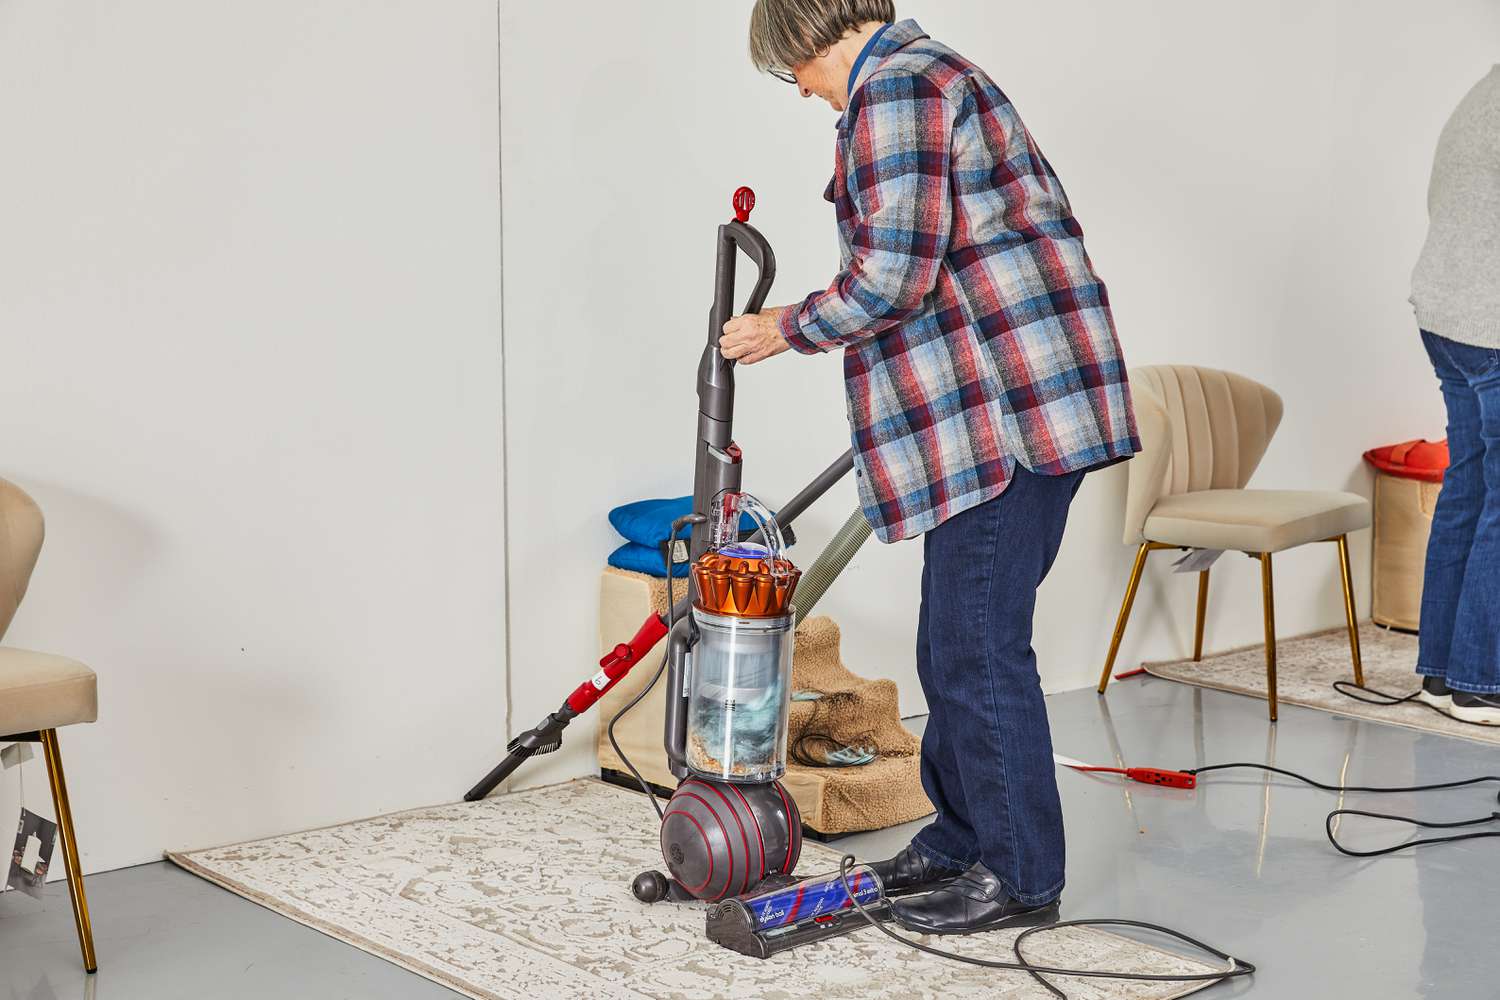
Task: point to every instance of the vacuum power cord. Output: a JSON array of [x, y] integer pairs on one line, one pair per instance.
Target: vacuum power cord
[[610, 730], [667, 558], [1385, 699], [1237, 967], [1333, 816]]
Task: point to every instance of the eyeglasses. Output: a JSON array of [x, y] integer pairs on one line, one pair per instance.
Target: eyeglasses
[[783, 75]]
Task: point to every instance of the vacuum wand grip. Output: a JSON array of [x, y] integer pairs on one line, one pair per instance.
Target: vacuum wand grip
[[735, 236], [749, 239], [616, 664]]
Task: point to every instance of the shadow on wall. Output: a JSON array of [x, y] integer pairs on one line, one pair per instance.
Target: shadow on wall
[[94, 549], [103, 556]]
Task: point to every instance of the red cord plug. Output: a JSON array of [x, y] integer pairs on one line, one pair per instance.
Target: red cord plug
[[1145, 775], [1158, 776]]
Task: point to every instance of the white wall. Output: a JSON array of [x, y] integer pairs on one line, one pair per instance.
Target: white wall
[[1251, 176], [250, 368], [251, 327]]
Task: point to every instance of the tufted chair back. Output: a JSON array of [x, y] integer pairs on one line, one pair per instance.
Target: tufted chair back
[[20, 544], [1200, 429]]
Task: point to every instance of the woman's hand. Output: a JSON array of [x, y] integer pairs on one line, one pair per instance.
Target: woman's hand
[[753, 337]]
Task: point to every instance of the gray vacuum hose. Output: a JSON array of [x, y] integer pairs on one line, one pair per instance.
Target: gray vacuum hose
[[818, 577]]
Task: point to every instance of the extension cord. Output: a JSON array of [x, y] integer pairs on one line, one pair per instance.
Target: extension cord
[[1189, 779], [1145, 775]]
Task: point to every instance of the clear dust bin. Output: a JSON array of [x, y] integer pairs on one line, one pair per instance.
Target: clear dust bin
[[739, 697]]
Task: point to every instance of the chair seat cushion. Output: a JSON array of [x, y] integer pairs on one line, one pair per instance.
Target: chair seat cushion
[[41, 691], [1255, 520]]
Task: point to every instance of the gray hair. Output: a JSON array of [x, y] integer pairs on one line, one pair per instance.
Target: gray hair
[[787, 33]]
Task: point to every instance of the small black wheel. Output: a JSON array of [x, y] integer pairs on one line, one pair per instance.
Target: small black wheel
[[650, 887]]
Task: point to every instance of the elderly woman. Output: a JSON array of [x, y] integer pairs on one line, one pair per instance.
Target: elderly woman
[[984, 379]]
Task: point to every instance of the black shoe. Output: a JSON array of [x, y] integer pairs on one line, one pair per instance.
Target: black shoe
[[1481, 708], [911, 871], [972, 902], [1435, 693]]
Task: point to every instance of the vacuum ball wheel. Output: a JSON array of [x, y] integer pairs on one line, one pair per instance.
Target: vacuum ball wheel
[[720, 839]]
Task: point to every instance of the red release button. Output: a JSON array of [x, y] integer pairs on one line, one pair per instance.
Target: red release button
[[744, 201]]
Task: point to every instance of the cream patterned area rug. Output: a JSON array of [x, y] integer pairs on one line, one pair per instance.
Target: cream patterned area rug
[[1307, 666], [528, 895]]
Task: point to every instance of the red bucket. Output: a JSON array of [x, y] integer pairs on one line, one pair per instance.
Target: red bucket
[[1420, 459]]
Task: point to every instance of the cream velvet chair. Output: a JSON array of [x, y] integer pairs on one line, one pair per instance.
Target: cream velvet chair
[[39, 692], [1203, 432]]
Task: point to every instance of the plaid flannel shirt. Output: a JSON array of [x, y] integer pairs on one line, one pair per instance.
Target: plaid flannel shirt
[[975, 331]]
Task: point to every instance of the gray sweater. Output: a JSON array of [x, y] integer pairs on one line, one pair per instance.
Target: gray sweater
[[1456, 286]]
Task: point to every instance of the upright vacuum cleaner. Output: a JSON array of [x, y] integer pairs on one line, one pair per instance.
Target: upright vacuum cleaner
[[731, 833], [731, 826]]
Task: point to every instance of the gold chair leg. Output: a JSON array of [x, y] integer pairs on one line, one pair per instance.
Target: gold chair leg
[[1202, 611], [70, 848], [1268, 597], [1349, 610], [1130, 589]]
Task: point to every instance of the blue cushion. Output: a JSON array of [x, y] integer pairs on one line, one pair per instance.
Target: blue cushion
[[649, 522], [643, 559]]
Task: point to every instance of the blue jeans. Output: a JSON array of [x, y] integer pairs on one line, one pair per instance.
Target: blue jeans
[[987, 750], [1460, 635]]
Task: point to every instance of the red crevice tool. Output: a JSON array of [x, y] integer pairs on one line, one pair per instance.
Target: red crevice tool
[[1145, 775]]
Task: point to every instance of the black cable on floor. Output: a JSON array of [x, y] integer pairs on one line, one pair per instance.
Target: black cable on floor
[[1419, 842], [1385, 699], [1379, 789], [1237, 967]]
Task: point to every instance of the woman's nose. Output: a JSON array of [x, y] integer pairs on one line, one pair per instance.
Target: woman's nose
[[805, 92]]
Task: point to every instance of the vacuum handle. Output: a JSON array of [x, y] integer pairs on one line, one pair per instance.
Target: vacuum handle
[[717, 464], [735, 236], [748, 239]]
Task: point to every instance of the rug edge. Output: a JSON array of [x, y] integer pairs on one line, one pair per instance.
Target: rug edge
[[351, 938], [393, 813], [1188, 989], [361, 943], [1280, 641], [1286, 699]]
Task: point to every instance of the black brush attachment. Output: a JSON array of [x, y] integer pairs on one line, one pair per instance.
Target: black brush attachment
[[514, 746], [544, 738]]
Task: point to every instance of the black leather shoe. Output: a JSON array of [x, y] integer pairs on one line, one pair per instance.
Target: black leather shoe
[[972, 902], [910, 871]]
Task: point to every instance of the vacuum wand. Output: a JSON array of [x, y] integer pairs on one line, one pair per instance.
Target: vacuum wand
[[546, 736]]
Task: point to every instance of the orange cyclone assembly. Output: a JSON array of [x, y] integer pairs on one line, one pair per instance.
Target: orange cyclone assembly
[[745, 586]]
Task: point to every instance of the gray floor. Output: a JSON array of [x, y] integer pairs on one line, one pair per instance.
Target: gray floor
[[1241, 862]]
